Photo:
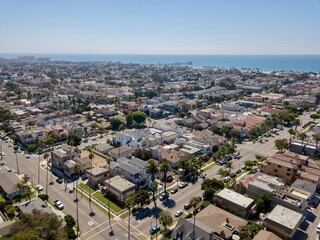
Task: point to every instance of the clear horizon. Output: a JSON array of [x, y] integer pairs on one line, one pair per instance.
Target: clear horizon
[[181, 27]]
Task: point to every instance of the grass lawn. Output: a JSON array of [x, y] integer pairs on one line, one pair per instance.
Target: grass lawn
[[86, 188], [97, 205], [2, 199], [100, 197], [206, 168]]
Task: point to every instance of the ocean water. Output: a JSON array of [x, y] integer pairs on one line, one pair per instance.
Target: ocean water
[[301, 63]]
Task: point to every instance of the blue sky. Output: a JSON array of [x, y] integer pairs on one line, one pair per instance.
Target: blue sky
[[160, 26]]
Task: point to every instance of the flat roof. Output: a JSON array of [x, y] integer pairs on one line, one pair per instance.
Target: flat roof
[[284, 216], [235, 197], [120, 183]]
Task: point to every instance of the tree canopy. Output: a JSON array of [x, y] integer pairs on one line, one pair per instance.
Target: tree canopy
[[165, 219], [39, 223], [74, 138], [139, 117]]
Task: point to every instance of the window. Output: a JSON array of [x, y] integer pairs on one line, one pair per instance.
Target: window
[[289, 170], [275, 170], [288, 174], [279, 166]]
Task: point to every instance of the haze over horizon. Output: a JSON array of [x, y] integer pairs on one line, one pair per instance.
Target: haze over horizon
[[166, 27]]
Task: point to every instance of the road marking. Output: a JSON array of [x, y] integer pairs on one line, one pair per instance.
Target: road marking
[[90, 223], [136, 229], [132, 232], [95, 228]]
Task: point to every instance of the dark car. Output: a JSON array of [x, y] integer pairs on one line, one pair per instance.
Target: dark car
[[222, 162], [59, 180], [233, 175], [228, 158], [163, 196], [174, 190], [238, 171], [155, 229], [187, 206]]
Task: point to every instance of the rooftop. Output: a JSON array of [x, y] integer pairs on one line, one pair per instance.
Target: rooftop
[[235, 198], [120, 183], [284, 217]]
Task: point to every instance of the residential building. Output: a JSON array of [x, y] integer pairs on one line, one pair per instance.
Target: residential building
[[97, 175], [211, 223], [266, 235], [120, 187], [8, 180], [235, 202], [123, 151], [131, 169], [283, 221]]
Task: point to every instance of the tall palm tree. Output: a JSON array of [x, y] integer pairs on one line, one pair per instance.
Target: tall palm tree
[[91, 156], [17, 162], [291, 132], [296, 122], [302, 137], [129, 204], [154, 188], [195, 204], [39, 154], [46, 156], [108, 159], [165, 167], [152, 169], [316, 137], [77, 169]]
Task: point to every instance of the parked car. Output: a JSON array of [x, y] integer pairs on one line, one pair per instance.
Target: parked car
[[236, 155], [2, 154], [59, 180], [155, 229], [318, 228], [187, 206], [183, 184], [58, 204], [226, 179], [244, 167], [39, 187], [238, 171], [233, 175], [163, 196], [228, 158], [178, 213], [174, 190], [222, 162]]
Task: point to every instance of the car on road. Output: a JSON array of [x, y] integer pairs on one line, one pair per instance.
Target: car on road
[[59, 180], [39, 187], [233, 175], [318, 228], [58, 204], [226, 179], [187, 206], [19, 151], [183, 184], [238, 171], [236, 155], [174, 190], [163, 196], [155, 229], [244, 167], [2, 154], [222, 162], [178, 213]]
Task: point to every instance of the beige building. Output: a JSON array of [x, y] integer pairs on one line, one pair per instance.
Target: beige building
[[120, 187], [123, 151], [283, 221], [291, 166], [235, 202]]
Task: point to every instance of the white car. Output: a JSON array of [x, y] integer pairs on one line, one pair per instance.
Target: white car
[[226, 179], [58, 204], [39, 187], [2, 154], [318, 228], [178, 213]]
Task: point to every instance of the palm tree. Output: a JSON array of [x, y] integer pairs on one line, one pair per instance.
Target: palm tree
[[195, 204], [17, 162], [152, 169], [317, 139], [228, 165], [46, 156], [296, 122], [129, 204], [291, 132], [91, 156], [38, 151], [165, 167], [77, 169], [154, 188], [108, 159], [302, 137]]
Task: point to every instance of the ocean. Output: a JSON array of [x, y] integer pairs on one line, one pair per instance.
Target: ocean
[[299, 63]]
